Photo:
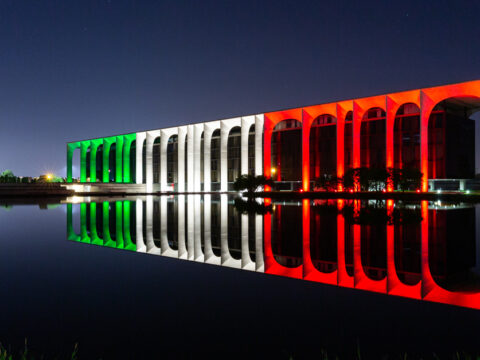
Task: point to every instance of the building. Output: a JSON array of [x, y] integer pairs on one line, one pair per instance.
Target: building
[[429, 129]]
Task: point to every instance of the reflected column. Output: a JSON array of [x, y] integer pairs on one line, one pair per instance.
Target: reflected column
[[151, 248], [210, 257], [198, 253], [139, 225], [182, 250], [258, 144], [165, 246]]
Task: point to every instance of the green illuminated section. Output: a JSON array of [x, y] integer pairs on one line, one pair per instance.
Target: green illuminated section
[[119, 224], [93, 225], [70, 150], [128, 139], [93, 159], [70, 233], [123, 145], [83, 224], [107, 239], [89, 234], [128, 245], [107, 144]]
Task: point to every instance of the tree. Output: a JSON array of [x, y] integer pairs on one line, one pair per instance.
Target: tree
[[251, 183], [7, 173], [328, 182]]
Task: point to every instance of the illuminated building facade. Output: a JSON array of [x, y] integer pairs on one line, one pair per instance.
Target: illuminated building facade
[[429, 129]]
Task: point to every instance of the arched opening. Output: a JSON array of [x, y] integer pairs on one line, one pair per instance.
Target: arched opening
[[76, 165], [451, 139], [407, 242], [373, 223], [233, 154], [234, 232], [112, 161], [323, 235], [406, 153], [287, 234], [156, 160], [286, 155], [87, 165], [452, 248], [172, 161], [373, 139], [215, 161], [251, 150], [172, 223], [215, 226], [323, 146], [348, 141]]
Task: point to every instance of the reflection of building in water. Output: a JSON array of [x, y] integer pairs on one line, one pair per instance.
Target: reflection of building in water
[[420, 251], [428, 129]]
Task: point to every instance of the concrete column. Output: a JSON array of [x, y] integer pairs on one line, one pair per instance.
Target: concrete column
[[139, 225], [207, 148], [127, 237], [182, 133], [259, 265], [83, 160], [246, 122], [107, 144], [149, 162], [198, 253], [210, 257], [258, 144], [224, 131], [182, 249], [70, 150], [226, 257], [190, 227], [119, 240], [93, 159], [127, 144], [247, 263], [197, 160], [190, 159], [151, 248], [119, 159], [140, 138], [165, 246]]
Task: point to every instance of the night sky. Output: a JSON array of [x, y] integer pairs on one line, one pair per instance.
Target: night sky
[[72, 70]]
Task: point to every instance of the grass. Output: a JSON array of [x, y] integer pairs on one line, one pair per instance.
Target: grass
[[26, 355]]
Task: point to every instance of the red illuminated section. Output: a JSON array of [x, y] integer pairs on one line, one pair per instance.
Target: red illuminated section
[[426, 99], [425, 289]]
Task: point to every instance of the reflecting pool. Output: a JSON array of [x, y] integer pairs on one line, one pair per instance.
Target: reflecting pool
[[389, 277], [415, 250]]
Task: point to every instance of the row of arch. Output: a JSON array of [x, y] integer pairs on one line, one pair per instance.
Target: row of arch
[[191, 227], [395, 130], [195, 237]]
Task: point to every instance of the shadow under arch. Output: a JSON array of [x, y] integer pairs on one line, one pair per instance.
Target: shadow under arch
[[323, 146], [406, 143], [373, 138], [272, 266]]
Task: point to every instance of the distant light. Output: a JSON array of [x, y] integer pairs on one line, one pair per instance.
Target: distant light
[[273, 171], [418, 190], [49, 176], [439, 191], [467, 192]]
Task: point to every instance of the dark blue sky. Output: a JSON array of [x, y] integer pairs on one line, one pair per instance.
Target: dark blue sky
[[72, 70]]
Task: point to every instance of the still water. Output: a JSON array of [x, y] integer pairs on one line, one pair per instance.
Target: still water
[[131, 277]]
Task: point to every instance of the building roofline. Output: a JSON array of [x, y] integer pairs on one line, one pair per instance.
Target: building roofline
[[284, 109]]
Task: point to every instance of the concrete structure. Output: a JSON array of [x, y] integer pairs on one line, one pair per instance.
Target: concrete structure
[[425, 128]]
